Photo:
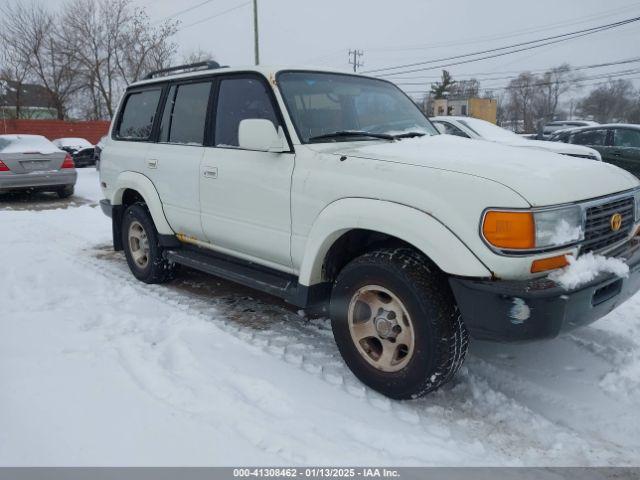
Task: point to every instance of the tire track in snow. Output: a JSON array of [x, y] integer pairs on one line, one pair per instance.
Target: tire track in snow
[[473, 407]]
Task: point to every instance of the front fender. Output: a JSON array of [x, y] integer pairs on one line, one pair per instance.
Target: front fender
[[409, 224], [144, 186]]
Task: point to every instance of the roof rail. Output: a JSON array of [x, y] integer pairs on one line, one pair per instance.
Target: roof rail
[[207, 65]]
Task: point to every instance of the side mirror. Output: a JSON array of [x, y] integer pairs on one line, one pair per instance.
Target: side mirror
[[261, 135], [440, 128]]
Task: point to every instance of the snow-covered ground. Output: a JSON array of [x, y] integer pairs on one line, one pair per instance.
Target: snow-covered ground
[[99, 369]]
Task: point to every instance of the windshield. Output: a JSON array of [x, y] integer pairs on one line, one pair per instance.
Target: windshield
[[322, 104], [489, 131]]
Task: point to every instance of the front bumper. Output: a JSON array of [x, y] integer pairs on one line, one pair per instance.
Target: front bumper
[[55, 178], [512, 311]]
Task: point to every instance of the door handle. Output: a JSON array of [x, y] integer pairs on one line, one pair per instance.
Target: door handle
[[617, 153], [152, 163], [210, 172]]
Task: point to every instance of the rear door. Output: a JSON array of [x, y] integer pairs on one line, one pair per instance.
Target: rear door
[[625, 149], [173, 163]]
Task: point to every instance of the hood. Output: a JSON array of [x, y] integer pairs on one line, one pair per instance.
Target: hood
[[542, 178], [556, 147]]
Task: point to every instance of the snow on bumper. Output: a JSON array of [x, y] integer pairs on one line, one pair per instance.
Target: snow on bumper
[[526, 310]]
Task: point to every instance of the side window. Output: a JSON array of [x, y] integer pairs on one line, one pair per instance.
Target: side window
[[626, 138], [451, 129], [136, 120], [241, 99], [590, 137], [185, 113]]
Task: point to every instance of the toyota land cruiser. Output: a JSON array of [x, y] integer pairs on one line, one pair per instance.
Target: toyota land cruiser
[[332, 189]]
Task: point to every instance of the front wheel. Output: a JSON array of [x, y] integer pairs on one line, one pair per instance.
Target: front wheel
[[396, 325], [142, 247]]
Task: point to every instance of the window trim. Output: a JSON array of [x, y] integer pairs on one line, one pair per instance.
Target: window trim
[[346, 74], [115, 134], [272, 98]]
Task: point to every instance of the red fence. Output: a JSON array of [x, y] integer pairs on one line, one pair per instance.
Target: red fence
[[53, 129]]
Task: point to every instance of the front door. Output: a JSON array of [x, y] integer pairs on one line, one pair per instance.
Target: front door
[[173, 164], [245, 194]]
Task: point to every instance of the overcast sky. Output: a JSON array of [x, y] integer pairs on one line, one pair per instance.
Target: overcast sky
[[406, 31]]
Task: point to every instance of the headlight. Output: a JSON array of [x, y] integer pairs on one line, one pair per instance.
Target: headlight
[[638, 206], [522, 230]]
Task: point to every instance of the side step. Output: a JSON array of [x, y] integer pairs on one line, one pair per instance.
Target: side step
[[245, 273]]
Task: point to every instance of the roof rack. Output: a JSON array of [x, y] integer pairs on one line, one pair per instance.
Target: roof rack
[[189, 67]]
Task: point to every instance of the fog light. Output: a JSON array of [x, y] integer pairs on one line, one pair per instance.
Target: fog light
[[546, 264]]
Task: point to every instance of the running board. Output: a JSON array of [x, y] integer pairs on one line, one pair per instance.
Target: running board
[[245, 273]]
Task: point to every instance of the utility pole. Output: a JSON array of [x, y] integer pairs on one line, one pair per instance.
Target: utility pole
[[354, 59], [256, 46]]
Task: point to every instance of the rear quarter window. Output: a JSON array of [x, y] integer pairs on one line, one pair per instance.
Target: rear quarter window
[[138, 114]]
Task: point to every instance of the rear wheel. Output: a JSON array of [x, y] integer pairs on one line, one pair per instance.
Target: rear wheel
[[396, 325], [142, 247], [66, 191]]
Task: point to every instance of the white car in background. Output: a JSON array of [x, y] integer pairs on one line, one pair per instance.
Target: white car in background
[[468, 127]]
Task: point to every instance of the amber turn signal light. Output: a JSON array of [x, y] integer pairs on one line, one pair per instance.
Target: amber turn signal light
[[509, 230], [546, 264]]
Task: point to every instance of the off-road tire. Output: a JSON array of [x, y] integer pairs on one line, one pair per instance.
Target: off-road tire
[[440, 337], [158, 269], [66, 191]]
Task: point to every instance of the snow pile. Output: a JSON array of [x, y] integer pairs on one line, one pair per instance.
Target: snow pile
[[586, 268]]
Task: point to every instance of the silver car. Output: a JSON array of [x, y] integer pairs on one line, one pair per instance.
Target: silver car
[[31, 162]]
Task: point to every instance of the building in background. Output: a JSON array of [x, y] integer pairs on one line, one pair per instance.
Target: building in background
[[25, 101], [482, 108]]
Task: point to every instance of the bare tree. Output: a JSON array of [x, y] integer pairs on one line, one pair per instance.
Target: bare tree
[[614, 101], [521, 93], [466, 88], [144, 47], [14, 71], [553, 85], [29, 30], [198, 55], [91, 32]]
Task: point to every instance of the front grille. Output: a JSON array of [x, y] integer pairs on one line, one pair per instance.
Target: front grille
[[598, 232]]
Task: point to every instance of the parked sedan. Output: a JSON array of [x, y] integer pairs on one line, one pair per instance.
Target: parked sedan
[[468, 127], [81, 150], [618, 143], [31, 162]]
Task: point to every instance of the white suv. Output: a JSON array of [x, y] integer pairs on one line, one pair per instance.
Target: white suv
[[326, 188]]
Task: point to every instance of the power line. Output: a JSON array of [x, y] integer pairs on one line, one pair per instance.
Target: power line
[[529, 46], [512, 34], [181, 12], [539, 70], [219, 14], [542, 84], [544, 70]]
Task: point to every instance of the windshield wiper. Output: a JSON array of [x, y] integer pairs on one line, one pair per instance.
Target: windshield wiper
[[351, 133], [409, 135]]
